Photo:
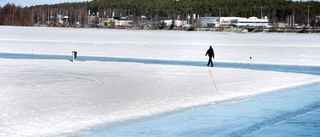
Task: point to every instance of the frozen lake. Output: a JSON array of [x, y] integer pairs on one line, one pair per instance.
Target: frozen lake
[[132, 83], [267, 115]]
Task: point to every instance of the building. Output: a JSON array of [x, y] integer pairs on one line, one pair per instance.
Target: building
[[251, 22], [211, 22], [177, 23], [118, 22]]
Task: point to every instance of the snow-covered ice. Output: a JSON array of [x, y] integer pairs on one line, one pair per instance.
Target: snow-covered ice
[[56, 97], [273, 48], [277, 114]]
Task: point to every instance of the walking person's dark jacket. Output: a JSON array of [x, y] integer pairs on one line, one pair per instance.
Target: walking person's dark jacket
[[210, 52]]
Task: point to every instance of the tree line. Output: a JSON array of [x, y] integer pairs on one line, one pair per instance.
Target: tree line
[[78, 12], [14, 15]]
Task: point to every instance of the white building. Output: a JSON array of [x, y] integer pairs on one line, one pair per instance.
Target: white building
[[177, 23], [209, 22], [251, 22]]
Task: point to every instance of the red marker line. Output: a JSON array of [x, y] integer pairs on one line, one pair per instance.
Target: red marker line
[[214, 83]]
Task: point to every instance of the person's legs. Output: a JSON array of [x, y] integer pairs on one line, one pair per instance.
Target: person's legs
[[210, 62]]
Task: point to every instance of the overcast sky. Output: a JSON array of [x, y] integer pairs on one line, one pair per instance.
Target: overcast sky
[[40, 2], [36, 2]]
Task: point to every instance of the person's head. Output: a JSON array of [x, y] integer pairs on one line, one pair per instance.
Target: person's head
[[210, 47]]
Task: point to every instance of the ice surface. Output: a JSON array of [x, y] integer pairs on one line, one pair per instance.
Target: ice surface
[[63, 98], [276, 114], [264, 48]]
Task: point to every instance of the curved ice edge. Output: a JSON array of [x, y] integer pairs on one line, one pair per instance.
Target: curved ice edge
[[273, 120], [280, 118], [241, 132], [313, 70], [315, 106], [285, 116], [305, 85]]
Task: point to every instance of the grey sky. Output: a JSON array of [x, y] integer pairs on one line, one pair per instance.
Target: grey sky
[[36, 2], [39, 2]]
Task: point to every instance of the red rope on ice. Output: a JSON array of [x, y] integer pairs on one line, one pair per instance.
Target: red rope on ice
[[214, 83]]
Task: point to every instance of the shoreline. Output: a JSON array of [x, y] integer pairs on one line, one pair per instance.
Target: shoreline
[[219, 29]]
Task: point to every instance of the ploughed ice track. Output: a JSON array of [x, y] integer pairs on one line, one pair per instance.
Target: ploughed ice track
[[265, 67]]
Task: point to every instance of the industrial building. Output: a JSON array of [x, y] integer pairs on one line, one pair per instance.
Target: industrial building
[[211, 22], [251, 22]]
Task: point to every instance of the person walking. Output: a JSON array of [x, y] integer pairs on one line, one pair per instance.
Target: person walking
[[210, 53]]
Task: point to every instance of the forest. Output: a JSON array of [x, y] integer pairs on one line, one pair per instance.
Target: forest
[[78, 12]]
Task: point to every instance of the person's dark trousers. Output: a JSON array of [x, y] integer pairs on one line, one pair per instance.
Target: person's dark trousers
[[210, 62]]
